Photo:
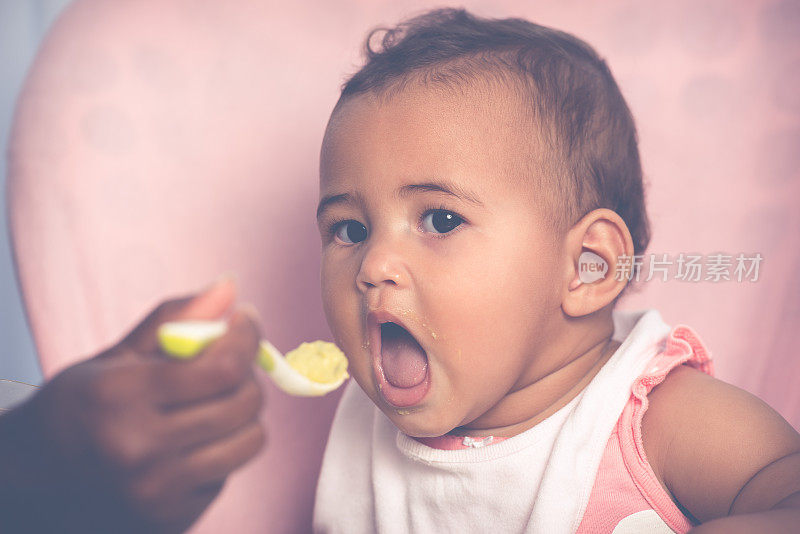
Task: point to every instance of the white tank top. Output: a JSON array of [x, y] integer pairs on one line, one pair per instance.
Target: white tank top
[[375, 478]]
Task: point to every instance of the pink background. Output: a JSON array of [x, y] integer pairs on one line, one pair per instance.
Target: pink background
[[158, 144]]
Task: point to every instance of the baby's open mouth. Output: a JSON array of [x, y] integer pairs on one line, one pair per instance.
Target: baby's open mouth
[[403, 359]]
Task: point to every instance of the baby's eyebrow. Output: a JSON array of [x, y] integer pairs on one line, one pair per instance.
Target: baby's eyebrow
[[344, 198], [441, 187]]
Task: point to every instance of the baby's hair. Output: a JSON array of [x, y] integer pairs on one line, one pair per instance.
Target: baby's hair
[[584, 120]]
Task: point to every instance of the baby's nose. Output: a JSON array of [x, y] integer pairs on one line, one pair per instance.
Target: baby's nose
[[382, 265]]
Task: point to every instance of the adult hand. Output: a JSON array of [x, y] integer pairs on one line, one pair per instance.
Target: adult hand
[[131, 440]]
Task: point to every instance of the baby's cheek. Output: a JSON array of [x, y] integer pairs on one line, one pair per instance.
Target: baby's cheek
[[346, 332], [481, 375], [335, 297]]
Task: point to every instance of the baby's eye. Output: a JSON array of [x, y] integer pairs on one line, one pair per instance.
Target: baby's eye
[[351, 232], [440, 221]]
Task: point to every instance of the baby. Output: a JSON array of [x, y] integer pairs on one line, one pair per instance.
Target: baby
[[465, 170]]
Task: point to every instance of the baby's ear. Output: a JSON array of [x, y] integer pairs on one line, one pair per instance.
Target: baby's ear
[[594, 247]]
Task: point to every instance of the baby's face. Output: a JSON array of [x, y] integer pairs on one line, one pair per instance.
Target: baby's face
[[430, 219]]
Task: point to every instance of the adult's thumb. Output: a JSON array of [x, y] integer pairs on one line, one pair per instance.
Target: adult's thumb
[[210, 303]]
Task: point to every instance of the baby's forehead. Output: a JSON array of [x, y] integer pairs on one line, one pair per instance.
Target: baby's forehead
[[466, 103], [433, 117]]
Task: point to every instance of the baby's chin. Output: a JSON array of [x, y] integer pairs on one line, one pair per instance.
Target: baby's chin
[[419, 424]]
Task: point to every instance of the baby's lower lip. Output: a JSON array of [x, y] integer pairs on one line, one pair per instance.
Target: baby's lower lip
[[403, 397]]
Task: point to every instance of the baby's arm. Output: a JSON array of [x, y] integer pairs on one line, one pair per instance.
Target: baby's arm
[[727, 457]]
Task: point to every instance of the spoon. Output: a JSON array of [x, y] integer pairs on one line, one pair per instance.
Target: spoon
[[310, 370]]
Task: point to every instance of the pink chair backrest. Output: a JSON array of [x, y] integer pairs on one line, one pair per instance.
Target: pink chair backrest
[[158, 144]]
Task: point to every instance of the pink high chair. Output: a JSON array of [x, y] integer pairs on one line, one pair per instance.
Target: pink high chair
[[159, 144], [156, 146]]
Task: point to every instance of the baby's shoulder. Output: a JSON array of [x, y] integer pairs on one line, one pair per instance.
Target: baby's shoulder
[[706, 439]]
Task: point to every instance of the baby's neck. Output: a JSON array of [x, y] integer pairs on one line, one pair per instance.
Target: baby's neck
[[551, 382]]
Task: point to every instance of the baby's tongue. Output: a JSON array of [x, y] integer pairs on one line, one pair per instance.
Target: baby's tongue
[[403, 359]]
